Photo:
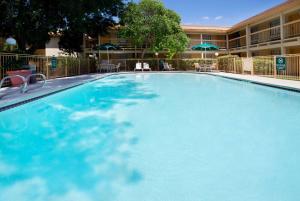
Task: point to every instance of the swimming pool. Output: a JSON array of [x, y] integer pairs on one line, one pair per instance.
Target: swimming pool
[[153, 137]]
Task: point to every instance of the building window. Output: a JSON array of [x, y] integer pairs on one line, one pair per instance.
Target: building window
[[275, 32], [206, 37], [275, 23]]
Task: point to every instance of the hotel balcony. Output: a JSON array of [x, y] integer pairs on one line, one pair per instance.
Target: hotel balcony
[[272, 35], [292, 29], [237, 43], [266, 35], [220, 43]]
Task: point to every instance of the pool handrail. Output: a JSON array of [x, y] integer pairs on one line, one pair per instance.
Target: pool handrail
[[35, 74], [23, 86]]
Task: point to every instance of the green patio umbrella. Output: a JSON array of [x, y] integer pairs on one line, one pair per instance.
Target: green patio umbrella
[[107, 46], [205, 47]]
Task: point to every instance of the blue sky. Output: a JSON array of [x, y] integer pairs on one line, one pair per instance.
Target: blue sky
[[218, 12]]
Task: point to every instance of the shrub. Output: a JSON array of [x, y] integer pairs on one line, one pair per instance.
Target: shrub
[[263, 65]]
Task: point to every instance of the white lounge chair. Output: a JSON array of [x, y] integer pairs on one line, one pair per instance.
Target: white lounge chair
[[168, 67], [138, 67], [116, 67], [208, 68], [197, 66], [146, 67], [214, 66], [106, 67]]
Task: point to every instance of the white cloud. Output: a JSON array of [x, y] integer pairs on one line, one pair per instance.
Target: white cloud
[[188, 23], [205, 18], [218, 17]]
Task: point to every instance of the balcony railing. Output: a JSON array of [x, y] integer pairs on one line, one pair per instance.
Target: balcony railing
[[194, 42], [219, 43], [237, 42], [266, 35], [292, 29], [119, 41]]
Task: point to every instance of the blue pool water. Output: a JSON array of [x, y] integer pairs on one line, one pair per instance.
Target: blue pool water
[[158, 137]]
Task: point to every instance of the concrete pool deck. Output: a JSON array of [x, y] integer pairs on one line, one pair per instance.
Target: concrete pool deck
[[272, 82], [15, 98]]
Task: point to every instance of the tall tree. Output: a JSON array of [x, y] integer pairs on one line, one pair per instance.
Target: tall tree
[[150, 25], [91, 17], [31, 21]]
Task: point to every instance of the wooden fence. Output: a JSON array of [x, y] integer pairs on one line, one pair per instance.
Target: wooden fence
[[263, 66], [66, 66], [72, 66], [178, 64]]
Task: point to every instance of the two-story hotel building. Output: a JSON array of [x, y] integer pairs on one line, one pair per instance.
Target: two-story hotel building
[[275, 31]]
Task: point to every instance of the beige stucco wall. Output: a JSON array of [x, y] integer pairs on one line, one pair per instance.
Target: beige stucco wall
[[52, 48]]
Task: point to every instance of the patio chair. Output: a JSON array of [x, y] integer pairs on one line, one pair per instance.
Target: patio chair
[[203, 67], [138, 67], [104, 68], [208, 67], [214, 67], [146, 67], [116, 67], [197, 66], [168, 67], [104, 62]]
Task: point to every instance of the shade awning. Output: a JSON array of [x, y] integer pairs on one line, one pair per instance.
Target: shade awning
[[205, 47], [107, 46]]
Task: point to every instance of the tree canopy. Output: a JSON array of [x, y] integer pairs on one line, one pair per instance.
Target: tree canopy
[[31, 21], [150, 25]]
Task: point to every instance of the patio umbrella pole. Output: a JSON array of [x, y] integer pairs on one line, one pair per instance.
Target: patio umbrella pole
[[205, 55], [205, 47]]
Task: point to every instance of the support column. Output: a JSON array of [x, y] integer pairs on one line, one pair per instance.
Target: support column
[[282, 21], [201, 38], [84, 45], [66, 67], [283, 50], [47, 68], [99, 40], [248, 41], [201, 41], [227, 44], [275, 69], [99, 43]]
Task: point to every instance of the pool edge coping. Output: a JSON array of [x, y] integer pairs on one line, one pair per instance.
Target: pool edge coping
[[277, 86], [49, 93], [70, 86]]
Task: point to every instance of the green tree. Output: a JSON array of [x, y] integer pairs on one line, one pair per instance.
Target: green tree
[[91, 17], [31, 21], [151, 26]]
